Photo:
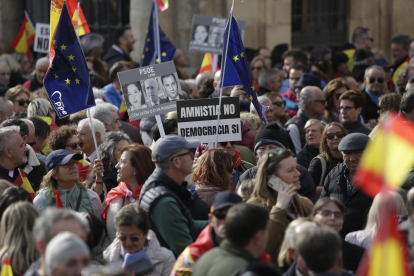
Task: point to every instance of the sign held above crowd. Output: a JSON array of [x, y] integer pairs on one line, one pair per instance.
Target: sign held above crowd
[[41, 42]]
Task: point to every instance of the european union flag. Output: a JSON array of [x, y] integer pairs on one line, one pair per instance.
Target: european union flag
[[150, 52], [67, 81], [236, 70]]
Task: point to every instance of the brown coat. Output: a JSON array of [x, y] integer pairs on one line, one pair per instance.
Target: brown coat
[[279, 221], [207, 192]]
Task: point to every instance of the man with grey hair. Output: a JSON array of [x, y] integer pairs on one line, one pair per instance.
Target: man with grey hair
[[107, 114], [265, 102], [12, 152], [85, 136], [5, 73], [400, 45], [92, 45], [374, 79], [311, 106], [269, 80], [48, 225], [35, 83]]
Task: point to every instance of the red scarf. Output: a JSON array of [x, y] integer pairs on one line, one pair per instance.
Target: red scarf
[[118, 192], [237, 162]]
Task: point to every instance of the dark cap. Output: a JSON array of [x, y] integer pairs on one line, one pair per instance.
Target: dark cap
[[60, 157], [353, 142], [308, 80], [169, 145], [269, 134], [224, 199]]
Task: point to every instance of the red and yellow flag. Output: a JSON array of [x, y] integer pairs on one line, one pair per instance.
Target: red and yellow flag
[[6, 269], [122, 110], [388, 252], [207, 64], [22, 181], [83, 24], [84, 169], [24, 38], [388, 158], [163, 4]]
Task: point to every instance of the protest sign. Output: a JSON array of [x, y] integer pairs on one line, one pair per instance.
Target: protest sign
[[197, 119], [41, 43], [150, 90], [207, 33]]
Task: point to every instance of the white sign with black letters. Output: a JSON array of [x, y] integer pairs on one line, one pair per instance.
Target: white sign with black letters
[[207, 33], [41, 43], [150, 90], [197, 119]]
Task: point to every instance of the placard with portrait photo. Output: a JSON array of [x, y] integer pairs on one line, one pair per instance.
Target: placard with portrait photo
[[150, 90]]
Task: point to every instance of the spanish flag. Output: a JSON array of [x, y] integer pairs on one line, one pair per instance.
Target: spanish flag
[[207, 64], [84, 169], [388, 252], [388, 158], [83, 24], [24, 38], [6, 269], [122, 110], [163, 4], [22, 181]]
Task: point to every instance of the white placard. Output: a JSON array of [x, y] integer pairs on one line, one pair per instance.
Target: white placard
[[42, 36]]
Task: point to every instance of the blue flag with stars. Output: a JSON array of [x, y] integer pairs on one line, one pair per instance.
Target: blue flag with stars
[[67, 80], [235, 68], [150, 52]]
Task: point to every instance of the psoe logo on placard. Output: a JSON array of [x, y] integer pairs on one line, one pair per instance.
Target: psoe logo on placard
[[56, 99]]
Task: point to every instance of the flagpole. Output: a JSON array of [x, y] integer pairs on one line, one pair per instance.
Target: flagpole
[[78, 18], [93, 134], [28, 19], [223, 74], [215, 60], [157, 30]]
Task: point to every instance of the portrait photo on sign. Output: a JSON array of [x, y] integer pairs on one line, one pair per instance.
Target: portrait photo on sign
[[200, 35], [150, 90]]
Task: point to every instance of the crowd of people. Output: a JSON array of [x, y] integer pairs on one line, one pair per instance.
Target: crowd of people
[[111, 196]]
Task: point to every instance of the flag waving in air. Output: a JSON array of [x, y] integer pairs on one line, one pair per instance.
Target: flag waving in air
[[235, 70], [388, 158], [24, 38], [149, 54], [73, 12], [163, 4], [23, 182], [67, 81], [207, 64], [6, 269]]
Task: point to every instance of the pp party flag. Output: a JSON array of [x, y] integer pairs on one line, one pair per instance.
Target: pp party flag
[[235, 70], [67, 81], [21, 43], [388, 254], [163, 4], [22, 181], [73, 6], [150, 52], [388, 158], [207, 64], [6, 269]]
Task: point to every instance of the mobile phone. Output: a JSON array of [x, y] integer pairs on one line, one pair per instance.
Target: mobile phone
[[274, 183]]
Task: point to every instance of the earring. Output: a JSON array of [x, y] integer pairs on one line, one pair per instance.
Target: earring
[[135, 172]]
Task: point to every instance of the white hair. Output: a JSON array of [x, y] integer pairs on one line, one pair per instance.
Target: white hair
[[6, 137], [261, 100], [42, 60], [103, 113], [294, 229], [374, 67], [97, 93], [98, 126], [39, 108], [307, 94]]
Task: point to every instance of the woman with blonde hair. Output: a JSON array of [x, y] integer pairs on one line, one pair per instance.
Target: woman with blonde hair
[[16, 236], [277, 183], [329, 155], [20, 98], [364, 237]]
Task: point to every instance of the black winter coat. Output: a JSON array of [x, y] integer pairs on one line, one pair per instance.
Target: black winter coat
[[305, 156]]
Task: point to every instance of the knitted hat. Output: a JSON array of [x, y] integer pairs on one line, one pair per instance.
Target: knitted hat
[[269, 134]]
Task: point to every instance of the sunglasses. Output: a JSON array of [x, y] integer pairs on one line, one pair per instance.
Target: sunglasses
[[22, 102], [33, 143], [279, 104], [231, 169], [223, 144], [339, 134], [220, 214], [256, 68], [74, 145], [372, 80]]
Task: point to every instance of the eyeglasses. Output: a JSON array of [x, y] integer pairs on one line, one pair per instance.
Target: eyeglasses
[[256, 68], [338, 95], [32, 143], [224, 144], [22, 102], [279, 104], [320, 101], [73, 145], [231, 169], [328, 213], [339, 134], [133, 239], [220, 214], [346, 108], [372, 80], [182, 154]]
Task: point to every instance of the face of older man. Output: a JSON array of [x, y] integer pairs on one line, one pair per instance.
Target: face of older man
[[152, 90], [41, 70], [4, 74], [18, 150], [374, 81], [398, 52]]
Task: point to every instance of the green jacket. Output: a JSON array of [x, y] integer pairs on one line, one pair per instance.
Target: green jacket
[[226, 260]]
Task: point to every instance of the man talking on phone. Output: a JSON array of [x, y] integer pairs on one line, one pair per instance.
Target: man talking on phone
[[269, 137]]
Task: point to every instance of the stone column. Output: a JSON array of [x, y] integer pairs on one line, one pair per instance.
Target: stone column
[[140, 12], [9, 21]]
